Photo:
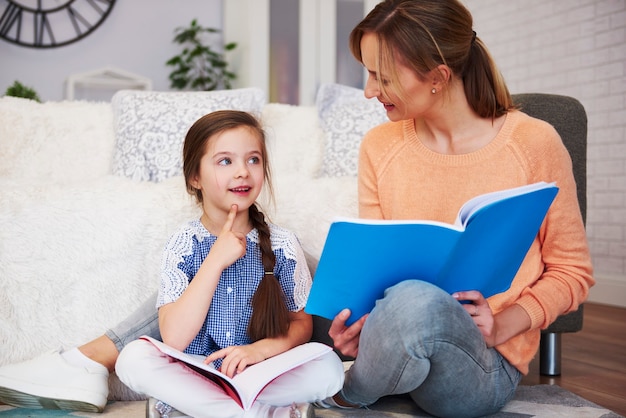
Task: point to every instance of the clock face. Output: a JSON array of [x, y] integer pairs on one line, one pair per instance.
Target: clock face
[[50, 23]]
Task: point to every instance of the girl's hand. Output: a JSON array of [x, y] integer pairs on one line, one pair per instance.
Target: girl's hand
[[481, 313], [230, 245], [235, 358], [346, 339]]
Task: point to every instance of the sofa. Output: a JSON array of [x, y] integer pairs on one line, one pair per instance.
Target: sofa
[[90, 191]]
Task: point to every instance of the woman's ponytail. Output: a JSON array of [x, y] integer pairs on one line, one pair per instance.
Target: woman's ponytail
[[484, 85]]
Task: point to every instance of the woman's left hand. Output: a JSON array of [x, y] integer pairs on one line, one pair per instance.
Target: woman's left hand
[[235, 358], [346, 339], [481, 313]]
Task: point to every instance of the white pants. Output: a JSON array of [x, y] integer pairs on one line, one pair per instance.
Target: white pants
[[145, 369]]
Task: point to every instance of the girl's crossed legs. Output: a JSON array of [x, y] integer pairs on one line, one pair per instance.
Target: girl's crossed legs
[[145, 369]]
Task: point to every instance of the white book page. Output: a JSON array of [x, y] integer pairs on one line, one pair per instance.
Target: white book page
[[478, 202], [254, 378]]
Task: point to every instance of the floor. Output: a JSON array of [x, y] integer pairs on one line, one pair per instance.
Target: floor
[[594, 359]]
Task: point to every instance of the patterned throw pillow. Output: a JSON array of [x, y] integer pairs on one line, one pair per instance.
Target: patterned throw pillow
[[345, 116], [150, 126]]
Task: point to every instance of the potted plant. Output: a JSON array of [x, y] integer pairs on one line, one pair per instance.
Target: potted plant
[[17, 89], [199, 66]]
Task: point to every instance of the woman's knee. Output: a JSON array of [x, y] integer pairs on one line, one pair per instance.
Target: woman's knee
[[415, 298], [415, 288]]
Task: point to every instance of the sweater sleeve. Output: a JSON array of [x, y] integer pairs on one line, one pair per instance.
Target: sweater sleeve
[[567, 273]]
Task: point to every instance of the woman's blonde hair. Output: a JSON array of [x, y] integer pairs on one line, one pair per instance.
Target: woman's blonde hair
[[423, 34]]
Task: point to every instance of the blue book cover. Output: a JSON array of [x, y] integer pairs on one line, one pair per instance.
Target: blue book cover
[[482, 251]]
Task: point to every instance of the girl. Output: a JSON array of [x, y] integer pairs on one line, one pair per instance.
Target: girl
[[233, 287], [453, 134]]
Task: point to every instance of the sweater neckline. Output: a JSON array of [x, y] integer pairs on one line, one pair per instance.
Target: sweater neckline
[[501, 138]]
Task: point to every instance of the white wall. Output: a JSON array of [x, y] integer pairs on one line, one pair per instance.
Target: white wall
[[136, 37], [576, 48], [572, 47]]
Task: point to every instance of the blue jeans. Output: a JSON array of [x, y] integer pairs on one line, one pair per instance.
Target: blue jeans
[[144, 321], [419, 340]]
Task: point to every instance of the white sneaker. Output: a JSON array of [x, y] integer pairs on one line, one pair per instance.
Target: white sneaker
[[49, 382]]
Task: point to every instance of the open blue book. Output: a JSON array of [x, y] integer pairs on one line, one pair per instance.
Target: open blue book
[[482, 251]]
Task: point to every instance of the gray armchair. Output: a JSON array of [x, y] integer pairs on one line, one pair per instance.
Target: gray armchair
[[569, 118]]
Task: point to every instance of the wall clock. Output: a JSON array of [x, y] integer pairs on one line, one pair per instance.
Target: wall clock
[[51, 23]]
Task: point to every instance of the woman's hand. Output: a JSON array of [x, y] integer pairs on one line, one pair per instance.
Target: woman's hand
[[499, 328], [235, 358], [346, 339], [481, 313]]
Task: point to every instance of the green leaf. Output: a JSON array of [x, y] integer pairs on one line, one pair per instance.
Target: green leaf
[[201, 65], [17, 89]]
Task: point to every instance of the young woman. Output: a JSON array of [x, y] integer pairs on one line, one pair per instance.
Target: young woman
[[454, 133]]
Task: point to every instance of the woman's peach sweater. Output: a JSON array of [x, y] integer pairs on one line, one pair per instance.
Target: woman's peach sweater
[[399, 178]]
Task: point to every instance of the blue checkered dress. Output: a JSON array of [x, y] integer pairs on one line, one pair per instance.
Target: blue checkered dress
[[228, 317]]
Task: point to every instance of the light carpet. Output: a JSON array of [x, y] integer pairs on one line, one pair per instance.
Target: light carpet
[[540, 401]]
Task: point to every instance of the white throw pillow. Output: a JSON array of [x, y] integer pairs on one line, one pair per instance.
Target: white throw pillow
[[345, 116], [150, 126], [55, 142], [294, 139]]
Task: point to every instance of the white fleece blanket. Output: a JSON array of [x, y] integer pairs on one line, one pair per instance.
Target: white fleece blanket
[[75, 260]]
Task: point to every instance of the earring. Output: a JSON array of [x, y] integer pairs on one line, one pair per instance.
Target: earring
[[433, 91]]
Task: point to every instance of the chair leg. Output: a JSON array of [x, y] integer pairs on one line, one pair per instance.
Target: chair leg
[[550, 354]]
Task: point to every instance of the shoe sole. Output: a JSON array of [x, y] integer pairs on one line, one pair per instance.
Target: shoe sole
[[25, 400]]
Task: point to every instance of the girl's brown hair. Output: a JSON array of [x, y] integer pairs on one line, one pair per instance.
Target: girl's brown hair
[[270, 316], [427, 33]]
